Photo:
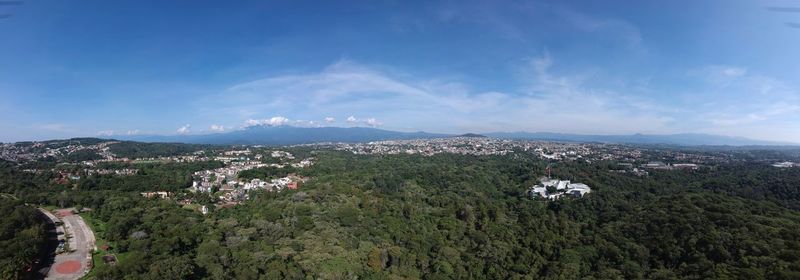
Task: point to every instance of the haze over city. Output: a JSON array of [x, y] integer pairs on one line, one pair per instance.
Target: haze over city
[[101, 68]]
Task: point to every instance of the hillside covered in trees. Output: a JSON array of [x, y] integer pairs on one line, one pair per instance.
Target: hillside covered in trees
[[22, 237]]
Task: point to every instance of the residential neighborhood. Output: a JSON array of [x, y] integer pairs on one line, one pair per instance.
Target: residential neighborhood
[[232, 189]]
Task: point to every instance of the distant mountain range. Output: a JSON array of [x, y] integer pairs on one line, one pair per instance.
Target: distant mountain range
[[288, 135]]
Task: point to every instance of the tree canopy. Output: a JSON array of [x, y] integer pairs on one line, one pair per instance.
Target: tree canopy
[[454, 217]]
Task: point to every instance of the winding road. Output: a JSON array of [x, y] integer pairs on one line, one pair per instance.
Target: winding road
[[77, 261]]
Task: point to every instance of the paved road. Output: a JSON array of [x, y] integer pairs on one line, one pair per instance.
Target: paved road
[[76, 263]]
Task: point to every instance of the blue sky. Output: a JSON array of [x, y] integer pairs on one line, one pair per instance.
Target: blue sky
[[99, 68]]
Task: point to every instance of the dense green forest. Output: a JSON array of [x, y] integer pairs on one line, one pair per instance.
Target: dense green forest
[[146, 150], [266, 172], [83, 155], [452, 217], [150, 177], [22, 235]]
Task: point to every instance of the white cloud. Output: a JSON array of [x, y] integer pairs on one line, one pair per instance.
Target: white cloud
[[217, 128], [372, 122], [183, 129], [274, 121], [132, 132], [278, 121], [252, 122], [330, 120]]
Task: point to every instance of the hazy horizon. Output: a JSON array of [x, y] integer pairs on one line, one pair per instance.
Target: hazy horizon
[[99, 68], [673, 139]]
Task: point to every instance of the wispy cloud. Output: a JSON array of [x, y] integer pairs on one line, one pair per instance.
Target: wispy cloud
[[217, 128], [623, 30], [543, 102], [371, 122], [784, 9], [105, 133], [735, 100], [111, 132], [546, 96], [718, 75], [57, 127]]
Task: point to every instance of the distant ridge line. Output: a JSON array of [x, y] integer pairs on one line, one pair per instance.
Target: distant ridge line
[[289, 135]]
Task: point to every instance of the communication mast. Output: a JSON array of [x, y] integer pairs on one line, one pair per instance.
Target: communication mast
[[549, 170]]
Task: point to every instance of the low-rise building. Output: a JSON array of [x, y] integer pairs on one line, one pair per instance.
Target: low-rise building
[[558, 188], [785, 164]]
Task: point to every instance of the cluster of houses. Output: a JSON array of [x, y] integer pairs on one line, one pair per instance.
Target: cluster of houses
[[220, 177], [237, 191], [37, 150], [234, 190], [303, 163], [288, 182], [429, 147], [281, 154], [554, 189], [162, 195], [237, 161]]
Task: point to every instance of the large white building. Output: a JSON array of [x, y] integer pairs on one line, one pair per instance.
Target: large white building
[[563, 187]]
